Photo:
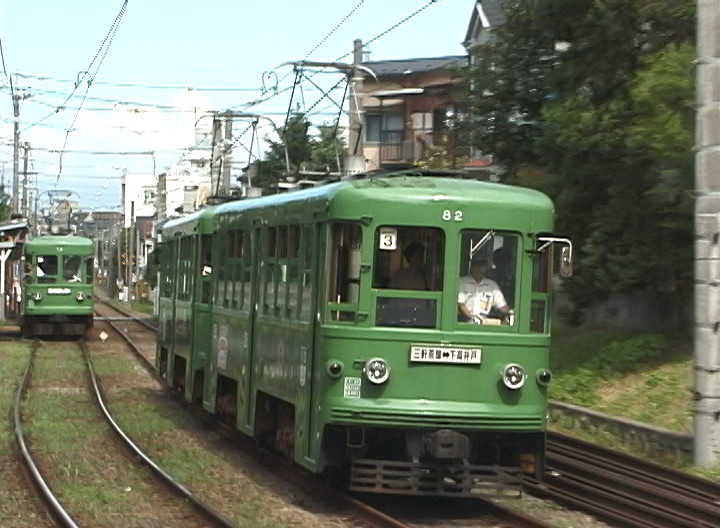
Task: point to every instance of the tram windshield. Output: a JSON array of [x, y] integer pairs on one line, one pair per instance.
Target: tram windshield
[[408, 260], [71, 268], [487, 277], [46, 268]]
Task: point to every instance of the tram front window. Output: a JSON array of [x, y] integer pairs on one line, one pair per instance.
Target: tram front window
[[408, 264], [486, 285], [46, 268], [71, 268]]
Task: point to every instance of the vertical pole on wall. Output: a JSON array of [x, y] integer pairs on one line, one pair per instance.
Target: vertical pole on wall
[[707, 237]]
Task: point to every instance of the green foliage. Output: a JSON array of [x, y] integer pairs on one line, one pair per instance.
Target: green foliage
[[4, 205], [303, 150], [602, 123], [615, 359]]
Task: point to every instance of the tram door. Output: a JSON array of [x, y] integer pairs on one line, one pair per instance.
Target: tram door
[[201, 320], [248, 413]]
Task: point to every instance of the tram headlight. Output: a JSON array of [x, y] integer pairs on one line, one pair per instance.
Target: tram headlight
[[80, 297], [334, 368], [36, 297], [514, 376], [377, 371], [544, 376]]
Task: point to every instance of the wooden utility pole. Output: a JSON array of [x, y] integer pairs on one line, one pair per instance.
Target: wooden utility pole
[[707, 237]]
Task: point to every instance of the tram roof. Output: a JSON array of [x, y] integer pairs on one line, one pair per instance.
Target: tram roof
[[52, 241], [408, 188]]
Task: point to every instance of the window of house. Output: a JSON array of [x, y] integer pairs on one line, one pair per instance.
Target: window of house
[[377, 126]]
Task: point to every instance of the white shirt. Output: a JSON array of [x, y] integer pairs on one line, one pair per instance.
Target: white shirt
[[480, 297]]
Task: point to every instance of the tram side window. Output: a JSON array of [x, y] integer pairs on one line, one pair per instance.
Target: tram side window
[[205, 268], [185, 269], [46, 268], [541, 288], [234, 268], [408, 259], [487, 277], [269, 257], [246, 274], [219, 268], [344, 277], [291, 272], [167, 269], [90, 270], [71, 268], [306, 284]]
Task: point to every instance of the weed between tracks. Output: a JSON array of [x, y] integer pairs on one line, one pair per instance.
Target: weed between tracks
[[215, 471]]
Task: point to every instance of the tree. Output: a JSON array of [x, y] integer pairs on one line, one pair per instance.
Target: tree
[[4, 205], [304, 150], [591, 101]]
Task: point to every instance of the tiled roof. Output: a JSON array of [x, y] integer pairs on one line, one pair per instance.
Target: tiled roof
[[408, 66], [493, 11]]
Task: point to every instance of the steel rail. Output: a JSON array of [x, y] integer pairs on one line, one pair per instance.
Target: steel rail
[[57, 511], [215, 516], [372, 513], [626, 489]]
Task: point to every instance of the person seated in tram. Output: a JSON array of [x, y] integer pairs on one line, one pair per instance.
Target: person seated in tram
[[478, 295], [414, 276]]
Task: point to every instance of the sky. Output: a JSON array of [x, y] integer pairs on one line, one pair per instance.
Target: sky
[[149, 72]]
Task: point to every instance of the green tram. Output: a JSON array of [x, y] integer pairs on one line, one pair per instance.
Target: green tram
[[339, 325], [58, 289]]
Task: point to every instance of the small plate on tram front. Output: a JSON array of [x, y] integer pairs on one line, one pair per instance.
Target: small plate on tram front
[[443, 354]]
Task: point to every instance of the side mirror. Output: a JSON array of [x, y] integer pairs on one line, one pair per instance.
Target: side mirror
[[566, 267], [207, 270]]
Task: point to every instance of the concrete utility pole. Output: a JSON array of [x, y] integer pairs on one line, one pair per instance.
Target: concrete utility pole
[[16, 153], [24, 208], [707, 237], [227, 159], [161, 197], [355, 162]]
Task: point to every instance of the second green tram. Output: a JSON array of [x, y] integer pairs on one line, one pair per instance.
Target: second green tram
[[392, 330], [58, 285]]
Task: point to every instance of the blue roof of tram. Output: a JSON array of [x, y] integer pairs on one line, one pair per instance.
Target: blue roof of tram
[[407, 189]]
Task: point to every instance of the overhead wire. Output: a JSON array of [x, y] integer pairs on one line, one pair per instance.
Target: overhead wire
[[109, 39], [112, 29]]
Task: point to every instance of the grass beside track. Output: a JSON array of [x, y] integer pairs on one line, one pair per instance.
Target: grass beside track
[[18, 505], [643, 376], [178, 444], [86, 468]]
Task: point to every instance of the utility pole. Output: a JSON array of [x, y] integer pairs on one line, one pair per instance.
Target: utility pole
[[707, 237], [161, 197], [24, 208], [227, 158], [355, 162], [16, 98], [16, 152]]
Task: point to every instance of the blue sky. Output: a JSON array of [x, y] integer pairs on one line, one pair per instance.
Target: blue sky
[[139, 100]]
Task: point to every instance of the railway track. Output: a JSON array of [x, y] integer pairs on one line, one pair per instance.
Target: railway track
[[626, 490], [172, 496], [485, 512]]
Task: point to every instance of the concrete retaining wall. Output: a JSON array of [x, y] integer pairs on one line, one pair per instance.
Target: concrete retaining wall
[[655, 441]]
